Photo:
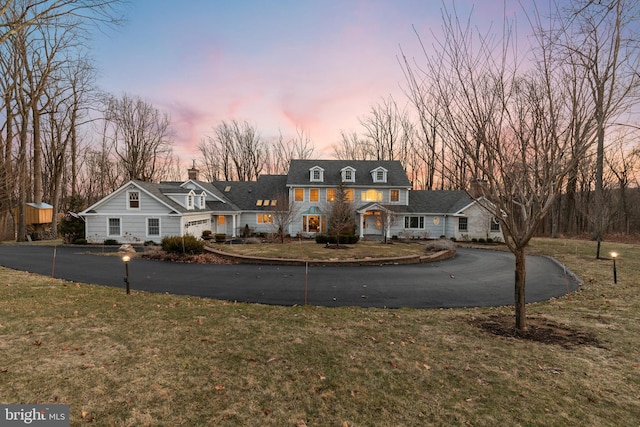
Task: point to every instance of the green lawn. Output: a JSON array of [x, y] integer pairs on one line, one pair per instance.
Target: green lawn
[[149, 359]]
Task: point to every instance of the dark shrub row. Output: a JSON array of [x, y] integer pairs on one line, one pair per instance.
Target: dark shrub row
[[344, 239]]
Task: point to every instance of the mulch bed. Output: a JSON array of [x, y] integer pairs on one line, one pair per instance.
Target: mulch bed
[[538, 329]]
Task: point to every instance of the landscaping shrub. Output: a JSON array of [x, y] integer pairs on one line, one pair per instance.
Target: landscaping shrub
[[71, 228], [182, 245], [482, 240], [110, 242], [149, 243], [344, 239], [80, 242], [220, 237], [474, 240], [439, 245], [489, 240]]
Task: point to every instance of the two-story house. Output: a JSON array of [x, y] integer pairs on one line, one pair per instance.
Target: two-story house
[[380, 191]]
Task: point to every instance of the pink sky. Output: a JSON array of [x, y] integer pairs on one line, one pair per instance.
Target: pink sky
[[315, 65]]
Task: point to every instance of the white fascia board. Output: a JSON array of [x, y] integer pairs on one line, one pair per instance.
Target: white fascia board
[[107, 197]]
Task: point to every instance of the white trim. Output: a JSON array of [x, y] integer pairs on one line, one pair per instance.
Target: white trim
[[374, 175], [320, 174], [159, 227], [128, 200], [343, 174], [108, 231]]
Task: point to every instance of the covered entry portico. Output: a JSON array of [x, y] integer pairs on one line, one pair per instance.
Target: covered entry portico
[[375, 219]]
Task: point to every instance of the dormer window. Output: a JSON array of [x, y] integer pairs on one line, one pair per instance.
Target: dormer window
[[190, 200], [379, 174], [348, 174], [202, 201], [316, 174]]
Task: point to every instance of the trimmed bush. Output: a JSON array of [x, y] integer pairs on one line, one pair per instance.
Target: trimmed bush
[[110, 242], [149, 243], [482, 240], [182, 245], [221, 237], [80, 242], [344, 239]]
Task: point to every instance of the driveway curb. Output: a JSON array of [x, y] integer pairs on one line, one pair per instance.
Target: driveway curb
[[408, 259]]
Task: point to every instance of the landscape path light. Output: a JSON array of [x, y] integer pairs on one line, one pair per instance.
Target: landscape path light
[[614, 255], [126, 260]]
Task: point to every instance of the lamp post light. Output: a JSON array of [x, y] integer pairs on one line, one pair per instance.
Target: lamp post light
[[614, 255], [126, 260]]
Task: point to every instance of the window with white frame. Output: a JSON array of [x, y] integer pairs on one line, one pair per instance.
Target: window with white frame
[[331, 194], [414, 222], [298, 194], [265, 219], [313, 195], [348, 174], [316, 174], [379, 174], [153, 227], [371, 196], [495, 224], [202, 201], [133, 199], [394, 195], [113, 227], [190, 201], [463, 224]]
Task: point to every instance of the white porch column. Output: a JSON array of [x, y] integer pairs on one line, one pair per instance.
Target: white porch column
[[233, 223], [361, 225]]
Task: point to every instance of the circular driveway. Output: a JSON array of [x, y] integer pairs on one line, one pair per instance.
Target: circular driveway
[[473, 278]]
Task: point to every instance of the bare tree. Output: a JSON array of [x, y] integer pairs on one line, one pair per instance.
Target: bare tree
[[283, 213], [283, 150], [511, 128], [388, 131], [16, 15], [351, 147], [141, 137], [240, 152]]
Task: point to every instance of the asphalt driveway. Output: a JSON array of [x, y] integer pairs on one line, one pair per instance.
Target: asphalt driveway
[[474, 278]]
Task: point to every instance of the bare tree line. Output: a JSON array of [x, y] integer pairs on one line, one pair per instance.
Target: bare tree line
[[237, 152], [52, 112]]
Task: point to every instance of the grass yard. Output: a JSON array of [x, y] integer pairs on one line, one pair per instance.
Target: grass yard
[[309, 249], [149, 359]]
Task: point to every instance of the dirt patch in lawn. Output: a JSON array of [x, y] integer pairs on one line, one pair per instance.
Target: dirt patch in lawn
[[539, 329]]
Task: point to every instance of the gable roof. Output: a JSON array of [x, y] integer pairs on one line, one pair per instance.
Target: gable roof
[[299, 172]]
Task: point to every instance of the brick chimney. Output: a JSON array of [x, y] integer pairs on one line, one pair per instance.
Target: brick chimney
[[193, 172], [477, 188]]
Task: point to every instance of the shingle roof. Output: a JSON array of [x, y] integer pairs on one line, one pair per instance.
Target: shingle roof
[[396, 175], [245, 194], [438, 201], [156, 190]]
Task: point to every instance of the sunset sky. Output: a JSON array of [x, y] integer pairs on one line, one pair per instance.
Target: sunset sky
[[317, 65]]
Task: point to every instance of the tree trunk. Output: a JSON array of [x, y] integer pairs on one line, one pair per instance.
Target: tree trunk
[[520, 279]]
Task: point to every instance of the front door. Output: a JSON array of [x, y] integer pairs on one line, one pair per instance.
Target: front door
[[372, 223]]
